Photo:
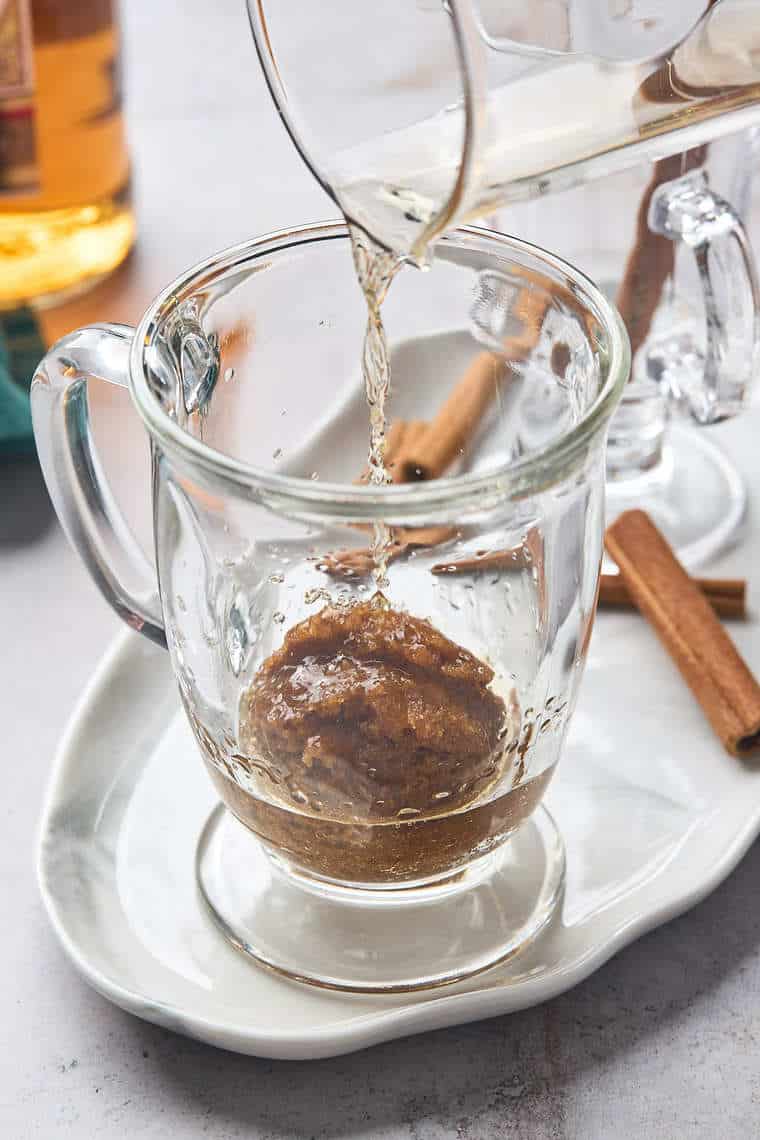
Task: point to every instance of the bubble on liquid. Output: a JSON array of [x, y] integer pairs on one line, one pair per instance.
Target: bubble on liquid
[[317, 805], [277, 453], [298, 797], [316, 594], [407, 812], [441, 795], [277, 578], [278, 617], [372, 771], [229, 374], [181, 605]]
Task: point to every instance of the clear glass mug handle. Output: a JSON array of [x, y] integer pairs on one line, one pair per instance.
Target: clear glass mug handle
[[711, 383], [81, 496]]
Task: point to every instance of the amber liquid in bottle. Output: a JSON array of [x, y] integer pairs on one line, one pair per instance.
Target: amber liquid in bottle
[[65, 214]]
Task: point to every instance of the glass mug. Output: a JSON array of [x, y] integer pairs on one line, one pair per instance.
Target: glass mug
[[668, 243], [381, 746]]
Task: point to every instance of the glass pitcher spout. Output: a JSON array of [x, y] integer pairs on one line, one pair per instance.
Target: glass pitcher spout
[[415, 116]]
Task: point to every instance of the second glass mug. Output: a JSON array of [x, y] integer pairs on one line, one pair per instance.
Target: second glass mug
[[667, 242], [381, 748]]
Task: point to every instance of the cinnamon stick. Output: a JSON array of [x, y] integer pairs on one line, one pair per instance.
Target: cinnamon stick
[[445, 439], [415, 430], [358, 562], [690, 631], [727, 596], [431, 454], [529, 553], [481, 564]]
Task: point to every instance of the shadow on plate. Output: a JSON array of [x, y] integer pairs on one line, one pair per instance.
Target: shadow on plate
[[516, 1071]]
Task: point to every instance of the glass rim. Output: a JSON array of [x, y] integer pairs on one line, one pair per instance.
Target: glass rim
[[511, 479]]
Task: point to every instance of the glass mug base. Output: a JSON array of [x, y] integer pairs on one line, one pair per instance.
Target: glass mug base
[[694, 494], [380, 941]]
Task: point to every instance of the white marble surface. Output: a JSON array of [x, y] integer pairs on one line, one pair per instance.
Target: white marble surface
[[661, 1042]]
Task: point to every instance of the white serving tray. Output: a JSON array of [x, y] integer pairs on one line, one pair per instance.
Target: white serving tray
[[654, 815]]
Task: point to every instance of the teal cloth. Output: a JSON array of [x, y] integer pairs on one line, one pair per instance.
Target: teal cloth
[[21, 349]]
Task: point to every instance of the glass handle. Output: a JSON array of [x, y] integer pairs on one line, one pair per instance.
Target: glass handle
[[81, 496], [711, 382]]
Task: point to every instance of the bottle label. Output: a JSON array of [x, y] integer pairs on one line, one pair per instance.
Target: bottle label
[[19, 170]]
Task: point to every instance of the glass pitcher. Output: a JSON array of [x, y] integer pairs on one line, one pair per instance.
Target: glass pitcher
[[416, 115]]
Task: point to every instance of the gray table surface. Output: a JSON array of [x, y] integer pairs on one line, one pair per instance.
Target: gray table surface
[[659, 1043]]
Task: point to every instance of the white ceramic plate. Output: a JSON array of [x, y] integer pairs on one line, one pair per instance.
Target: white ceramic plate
[[654, 816]]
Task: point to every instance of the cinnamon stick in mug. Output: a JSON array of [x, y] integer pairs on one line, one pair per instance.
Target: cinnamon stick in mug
[[687, 626], [490, 561], [415, 430], [429, 455], [358, 561]]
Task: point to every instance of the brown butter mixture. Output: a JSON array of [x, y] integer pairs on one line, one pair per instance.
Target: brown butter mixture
[[368, 712]]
